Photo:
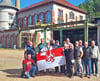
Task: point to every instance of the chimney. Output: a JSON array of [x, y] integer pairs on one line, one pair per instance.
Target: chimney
[[18, 4]]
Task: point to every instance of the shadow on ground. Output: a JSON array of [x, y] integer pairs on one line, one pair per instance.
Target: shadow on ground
[[15, 73]]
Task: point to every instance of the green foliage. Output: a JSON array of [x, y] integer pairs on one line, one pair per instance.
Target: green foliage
[[92, 7]]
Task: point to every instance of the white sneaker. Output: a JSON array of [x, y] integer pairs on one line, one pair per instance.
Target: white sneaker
[[97, 75]]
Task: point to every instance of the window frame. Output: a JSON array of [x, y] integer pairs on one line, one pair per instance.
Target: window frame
[[71, 15], [30, 20], [60, 13], [48, 17]]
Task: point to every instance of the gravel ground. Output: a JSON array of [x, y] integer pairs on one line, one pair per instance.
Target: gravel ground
[[11, 64]]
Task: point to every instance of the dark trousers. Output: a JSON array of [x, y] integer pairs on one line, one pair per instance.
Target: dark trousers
[[94, 61], [62, 68], [56, 69], [70, 69]]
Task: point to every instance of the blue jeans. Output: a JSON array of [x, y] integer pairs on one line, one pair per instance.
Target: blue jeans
[[88, 67], [32, 71], [94, 61]]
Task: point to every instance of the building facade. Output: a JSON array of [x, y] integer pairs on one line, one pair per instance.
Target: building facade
[[46, 12]]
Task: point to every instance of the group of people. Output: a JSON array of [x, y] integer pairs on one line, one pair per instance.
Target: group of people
[[80, 59]]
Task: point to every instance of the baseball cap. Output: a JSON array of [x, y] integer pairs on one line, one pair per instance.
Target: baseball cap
[[57, 40]]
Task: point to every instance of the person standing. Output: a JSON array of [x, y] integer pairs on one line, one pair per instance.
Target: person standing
[[68, 42], [78, 53], [95, 58], [57, 46], [41, 45], [28, 48], [34, 51], [87, 53], [48, 47], [53, 44], [69, 53], [82, 46], [62, 67]]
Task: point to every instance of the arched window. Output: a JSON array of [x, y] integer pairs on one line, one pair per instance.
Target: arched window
[[25, 21], [35, 19], [20, 22], [71, 15], [48, 17], [13, 40], [3, 41], [25, 40], [8, 41], [29, 20], [41, 17]]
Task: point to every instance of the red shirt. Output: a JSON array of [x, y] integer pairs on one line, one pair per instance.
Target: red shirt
[[28, 64]]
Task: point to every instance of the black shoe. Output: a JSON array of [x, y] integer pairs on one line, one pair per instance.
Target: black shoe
[[22, 75], [75, 74], [81, 76]]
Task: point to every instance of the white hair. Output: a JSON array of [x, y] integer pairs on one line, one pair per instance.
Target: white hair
[[86, 43]]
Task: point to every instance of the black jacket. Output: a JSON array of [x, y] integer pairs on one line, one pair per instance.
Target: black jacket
[[34, 51], [69, 54], [87, 53]]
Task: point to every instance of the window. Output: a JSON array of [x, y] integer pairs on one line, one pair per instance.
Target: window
[[8, 41], [71, 15], [10, 16], [35, 19], [20, 22], [41, 17], [13, 41], [29, 20], [81, 17], [3, 41], [10, 25], [60, 13], [48, 17], [60, 21], [98, 22], [25, 21]]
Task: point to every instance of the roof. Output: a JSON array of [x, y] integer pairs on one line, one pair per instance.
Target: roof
[[60, 2], [7, 3]]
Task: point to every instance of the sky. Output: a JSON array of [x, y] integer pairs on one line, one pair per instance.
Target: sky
[[25, 3]]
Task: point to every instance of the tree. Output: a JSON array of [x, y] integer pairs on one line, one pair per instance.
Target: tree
[[92, 7]]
